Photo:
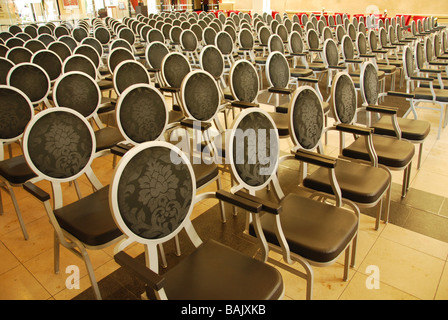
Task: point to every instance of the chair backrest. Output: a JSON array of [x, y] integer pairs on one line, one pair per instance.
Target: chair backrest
[[345, 98], [312, 39], [373, 40], [175, 32], [224, 42], [340, 32], [127, 73], [155, 35], [331, 53], [419, 56], [369, 83], [14, 42], [78, 62], [263, 35], [89, 52], [142, 113], [102, 35], [61, 49], [383, 37], [429, 50], [253, 149], [70, 41], [327, 33], [277, 70], [200, 96], [245, 39], [197, 29], [306, 118], [50, 62], [78, 33], [275, 43], [408, 62], [77, 91], [59, 146], [16, 110], [295, 43], [34, 45], [175, 67], [282, 32], [351, 31], [5, 66], [94, 43], [31, 79], [116, 56], [154, 53], [188, 40], [19, 55], [212, 61], [209, 35], [361, 43], [244, 82], [348, 49], [153, 214], [127, 34]]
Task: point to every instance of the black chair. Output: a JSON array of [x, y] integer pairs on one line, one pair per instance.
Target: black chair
[[189, 46], [32, 80], [245, 278], [300, 228], [77, 91], [155, 52], [5, 66], [16, 112], [61, 49], [128, 73], [59, 145], [19, 55], [413, 130], [393, 153], [50, 62]]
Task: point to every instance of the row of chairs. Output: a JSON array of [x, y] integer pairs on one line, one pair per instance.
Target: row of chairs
[[204, 78]]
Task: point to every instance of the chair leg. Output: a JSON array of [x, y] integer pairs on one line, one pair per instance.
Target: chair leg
[[354, 247], [18, 213], [221, 203], [92, 277], [56, 253], [347, 263], [378, 214]]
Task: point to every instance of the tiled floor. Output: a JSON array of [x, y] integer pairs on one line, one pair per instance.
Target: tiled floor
[[409, 254]]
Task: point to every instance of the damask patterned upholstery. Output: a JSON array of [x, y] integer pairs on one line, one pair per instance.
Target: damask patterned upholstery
[[246, 39], [34, 45], [200, 95], [295, 42], [307, 118], [79, 33], [59, 145], [278, 70], [78, 62], [89, 52], [155, 35], [331, 53], [174, 69], [5, 66], [15, 113], [127, 73], [155, 53], [224, 42], [77, 91], [212, 61], [188, 40], [344, 98], [128, 35], [61, 49], [370, 84], [117, 56], [142, 114], [50, 62], [102, 35], [255, 148], [209, 35], [154, 193], [31, 80], [276, 44], [244, 81], [19, 55]]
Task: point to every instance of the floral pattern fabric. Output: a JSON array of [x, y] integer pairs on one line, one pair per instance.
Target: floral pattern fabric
[[154, 193]]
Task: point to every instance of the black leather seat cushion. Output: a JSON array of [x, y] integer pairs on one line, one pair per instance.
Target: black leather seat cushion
[[204, 172], [16, 170], [411, 129], [205, 274], [281, 121], [387, 68], [299, 72], [359, 183], [425, 94], [175, 116], [316, 66], [107, 137], [106, 84], [314, 230], [391, 152], [89, 219]]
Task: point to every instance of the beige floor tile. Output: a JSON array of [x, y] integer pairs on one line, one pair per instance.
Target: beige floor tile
[[428, 181], [8, 260], [431, 246], [361, 288], [405, 268], [442, 289], [21, 285]]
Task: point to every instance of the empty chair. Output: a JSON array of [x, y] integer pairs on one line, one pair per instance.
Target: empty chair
[[19, 55], [300, 228], [59, 145], [189, 45], [77, 91], [50, 62], [223, 274], [32, 80], [15, 112], [128, 73]]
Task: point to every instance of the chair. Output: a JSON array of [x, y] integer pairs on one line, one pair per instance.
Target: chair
[[116, 56], [59, 145], [5, 66], [418, 94], [32, 80], [189, 45], [413, 130], [155, 52], [365, 184], [61, 49], [19, 55], [390, 152], [300, 228], [50, 62], [77, 91], [128, 73], [16, 112], [218, 273]]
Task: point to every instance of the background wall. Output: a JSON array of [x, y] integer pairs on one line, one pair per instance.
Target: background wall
[[432, 7]]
